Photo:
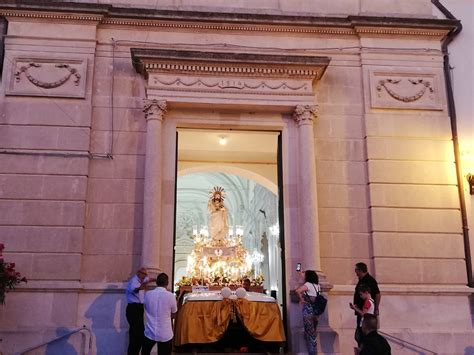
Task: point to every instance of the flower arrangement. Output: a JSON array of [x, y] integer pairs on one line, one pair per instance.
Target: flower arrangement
[[185, 281], [9, 278], [258, 281]]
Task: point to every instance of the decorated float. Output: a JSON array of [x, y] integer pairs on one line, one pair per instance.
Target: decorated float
[[219, 258]]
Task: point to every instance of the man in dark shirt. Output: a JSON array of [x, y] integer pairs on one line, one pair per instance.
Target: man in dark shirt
[[365, 279], [373, 343]]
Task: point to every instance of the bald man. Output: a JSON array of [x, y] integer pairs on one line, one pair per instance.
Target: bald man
[[373, 343], [134, 311]]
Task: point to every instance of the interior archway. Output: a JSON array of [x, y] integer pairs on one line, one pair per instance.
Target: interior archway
[[253, 213], [245, 165], [244, 173]]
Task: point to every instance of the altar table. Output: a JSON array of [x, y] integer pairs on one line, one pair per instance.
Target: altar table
[[186, 289], [201, 322]]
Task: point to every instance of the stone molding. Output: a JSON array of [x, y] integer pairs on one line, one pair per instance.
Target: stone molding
[[219, 85], [305, 114], [412, 32], [227, 63], [395, 289], [195, 20], [231, 84], [154, 109], [337, 289], [405, 88], [229, 78], [51, 15], [339, 31], [229, 69], [231, 27], [50, 77]]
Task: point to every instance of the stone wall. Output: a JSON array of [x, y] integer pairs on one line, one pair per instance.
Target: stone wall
[[72, 217]]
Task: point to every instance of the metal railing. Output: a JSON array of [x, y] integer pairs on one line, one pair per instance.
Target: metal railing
[[408, 345], [88, 339]]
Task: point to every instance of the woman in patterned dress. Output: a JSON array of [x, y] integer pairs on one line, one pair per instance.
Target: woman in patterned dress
[[308, 292]]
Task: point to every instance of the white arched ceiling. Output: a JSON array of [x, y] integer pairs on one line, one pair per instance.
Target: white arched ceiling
[[247, 174], [250, 204]]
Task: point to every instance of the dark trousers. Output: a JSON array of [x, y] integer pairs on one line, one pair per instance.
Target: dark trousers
[[358, 335], [164, 348], [134, 313]]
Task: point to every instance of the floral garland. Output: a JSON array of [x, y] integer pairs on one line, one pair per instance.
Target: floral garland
[[217, 281], [9, 278]]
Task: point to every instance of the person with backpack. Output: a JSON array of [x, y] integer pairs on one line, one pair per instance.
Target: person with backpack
[[308, 293]]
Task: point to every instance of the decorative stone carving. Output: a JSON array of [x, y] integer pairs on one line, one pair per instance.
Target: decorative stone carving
[[154, 109], [48, 85], [305, 114], [406, 90], [47, 77], [221, 85], [424, 86], [238, 84]]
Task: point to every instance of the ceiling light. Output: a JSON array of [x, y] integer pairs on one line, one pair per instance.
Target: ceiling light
[[222, 140]]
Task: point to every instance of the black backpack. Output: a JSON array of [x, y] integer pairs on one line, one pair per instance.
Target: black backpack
[[318, 303]]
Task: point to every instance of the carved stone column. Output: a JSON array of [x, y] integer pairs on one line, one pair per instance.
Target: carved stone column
[[154, 113], [309, 225]]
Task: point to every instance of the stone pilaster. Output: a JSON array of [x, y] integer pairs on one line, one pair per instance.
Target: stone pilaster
[[154, 114], [304, 115]]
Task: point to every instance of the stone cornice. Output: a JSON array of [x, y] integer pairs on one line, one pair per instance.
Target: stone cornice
[[182, 77], [242, 27], [407, 289], [196, 20], [228, 64], [415, 32], [337, 290], [59, 16]]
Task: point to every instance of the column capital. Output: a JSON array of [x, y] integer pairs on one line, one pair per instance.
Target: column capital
[[154, 109], [305, 114]]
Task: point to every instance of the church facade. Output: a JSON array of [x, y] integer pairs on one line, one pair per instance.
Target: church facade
[[370, 166]]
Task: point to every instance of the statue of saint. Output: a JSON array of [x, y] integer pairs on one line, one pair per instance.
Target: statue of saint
[[218, 221]]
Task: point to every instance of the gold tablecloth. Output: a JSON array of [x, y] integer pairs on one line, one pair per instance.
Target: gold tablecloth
[[201, 322]]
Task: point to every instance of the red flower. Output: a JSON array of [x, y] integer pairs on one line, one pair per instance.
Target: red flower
[[9, 278]]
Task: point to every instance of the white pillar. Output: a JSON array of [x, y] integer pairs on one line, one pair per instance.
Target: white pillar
[[154, 112], [307, 192]]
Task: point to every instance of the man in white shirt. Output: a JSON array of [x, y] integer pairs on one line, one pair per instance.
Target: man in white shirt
[[160, 305], [134, 311]]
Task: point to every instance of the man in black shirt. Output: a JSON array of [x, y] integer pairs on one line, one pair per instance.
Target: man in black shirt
[[373, 343], [365, 279]]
